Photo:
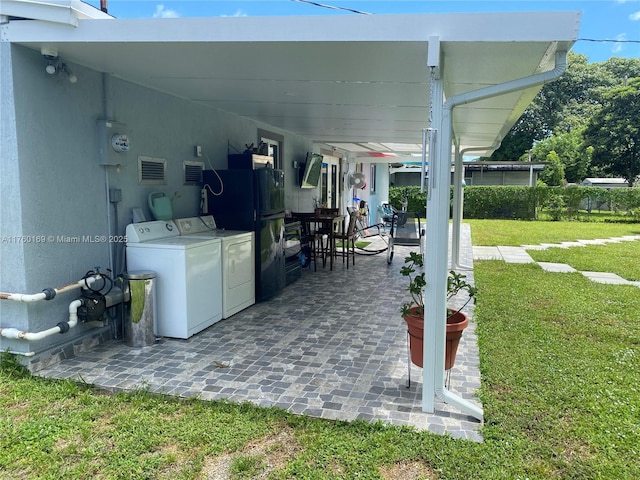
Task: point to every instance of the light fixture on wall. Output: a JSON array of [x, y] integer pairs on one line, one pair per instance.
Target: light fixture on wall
[[55, 66]]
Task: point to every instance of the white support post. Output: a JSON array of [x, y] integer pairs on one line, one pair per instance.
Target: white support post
[[436, 251]]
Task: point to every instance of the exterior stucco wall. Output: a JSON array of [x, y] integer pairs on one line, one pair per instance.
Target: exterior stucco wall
[[54, 188], [381, 193], [53, 193], [12, 272]]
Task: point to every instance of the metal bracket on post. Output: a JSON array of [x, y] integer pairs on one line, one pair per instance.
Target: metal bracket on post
[[428, 134], [433, 53]]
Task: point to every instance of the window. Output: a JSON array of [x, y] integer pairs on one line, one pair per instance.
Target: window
[[274, 146]]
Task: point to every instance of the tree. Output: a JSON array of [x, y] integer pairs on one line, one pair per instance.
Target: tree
[[570, 152], [622, 68], [614, 132], [553, 173], [566, 104]]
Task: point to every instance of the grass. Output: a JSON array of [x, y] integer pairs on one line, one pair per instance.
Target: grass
[[620, 258], [560, 366], [509, 232], [560, 372]]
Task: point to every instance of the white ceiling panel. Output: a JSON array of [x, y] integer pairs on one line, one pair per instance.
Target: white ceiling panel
[[333, 79]]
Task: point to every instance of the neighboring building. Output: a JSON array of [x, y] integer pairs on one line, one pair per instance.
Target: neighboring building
[[605, 182], [477, 173], [502, 173]]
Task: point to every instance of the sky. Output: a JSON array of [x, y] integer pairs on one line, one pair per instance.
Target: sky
[[609, 28]]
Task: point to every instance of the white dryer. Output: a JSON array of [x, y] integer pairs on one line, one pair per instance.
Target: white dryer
[[189, 276], [238, 261]]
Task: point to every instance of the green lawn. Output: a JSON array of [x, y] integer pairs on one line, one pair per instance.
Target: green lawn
[[560, 368], [620, 258], [509, 232]]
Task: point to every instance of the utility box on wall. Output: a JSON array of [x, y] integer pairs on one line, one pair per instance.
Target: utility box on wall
[[113, 142]]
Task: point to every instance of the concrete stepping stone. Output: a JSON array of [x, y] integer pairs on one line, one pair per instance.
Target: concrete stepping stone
[[596, 241], [606, 277], [572, 244], [486, 253], [556, 267], [534, 247], [515, 255]]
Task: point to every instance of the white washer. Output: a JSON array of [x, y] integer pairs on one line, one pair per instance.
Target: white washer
[[189, 276], [238, 261]]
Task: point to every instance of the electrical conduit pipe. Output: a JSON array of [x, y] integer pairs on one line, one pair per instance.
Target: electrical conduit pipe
[[437, 239]]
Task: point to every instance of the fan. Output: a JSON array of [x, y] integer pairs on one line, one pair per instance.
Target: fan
[[357, 180]]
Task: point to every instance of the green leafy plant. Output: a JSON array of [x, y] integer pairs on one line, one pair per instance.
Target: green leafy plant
[[10, 365], [456, 282]]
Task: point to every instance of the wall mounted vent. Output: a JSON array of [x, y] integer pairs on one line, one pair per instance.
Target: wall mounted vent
[[152, 171], [192, 172]]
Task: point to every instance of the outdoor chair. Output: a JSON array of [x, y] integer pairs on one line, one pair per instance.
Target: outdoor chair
[[348, 239]]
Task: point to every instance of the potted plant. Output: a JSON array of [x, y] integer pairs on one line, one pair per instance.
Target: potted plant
[[413, 310]]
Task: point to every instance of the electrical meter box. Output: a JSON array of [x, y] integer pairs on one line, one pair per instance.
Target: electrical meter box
[[113, 142]]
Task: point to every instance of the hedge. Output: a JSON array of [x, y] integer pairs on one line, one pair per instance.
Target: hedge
[[524, 203]]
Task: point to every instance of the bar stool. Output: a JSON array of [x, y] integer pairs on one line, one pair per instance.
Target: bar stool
[[348, 239]]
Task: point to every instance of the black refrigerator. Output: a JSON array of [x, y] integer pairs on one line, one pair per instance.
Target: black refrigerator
[[252, 200]]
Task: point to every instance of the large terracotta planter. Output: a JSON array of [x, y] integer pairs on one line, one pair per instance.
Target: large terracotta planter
[[456, 323]]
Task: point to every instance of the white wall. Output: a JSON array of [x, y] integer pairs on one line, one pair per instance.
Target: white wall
[[53, 185], [381, 193]]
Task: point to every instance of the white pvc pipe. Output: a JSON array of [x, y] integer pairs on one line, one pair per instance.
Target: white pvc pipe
[[14, 333], [423, 165], [437, 237], [47, 293], [24, 354]]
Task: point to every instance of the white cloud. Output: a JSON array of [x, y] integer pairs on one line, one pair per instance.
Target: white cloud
[[162, 12], [635, 16], [617, 47], [238, 13]]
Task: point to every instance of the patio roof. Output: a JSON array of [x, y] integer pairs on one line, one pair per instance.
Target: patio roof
[[346, 80]]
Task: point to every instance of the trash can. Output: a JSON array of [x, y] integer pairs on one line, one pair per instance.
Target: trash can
[[139, 308]]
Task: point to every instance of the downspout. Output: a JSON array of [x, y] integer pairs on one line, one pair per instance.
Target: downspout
[[458, 203], [437, 239]]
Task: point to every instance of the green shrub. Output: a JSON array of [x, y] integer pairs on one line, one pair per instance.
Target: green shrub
[[505, 202], [524, 203], [417, 200]]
